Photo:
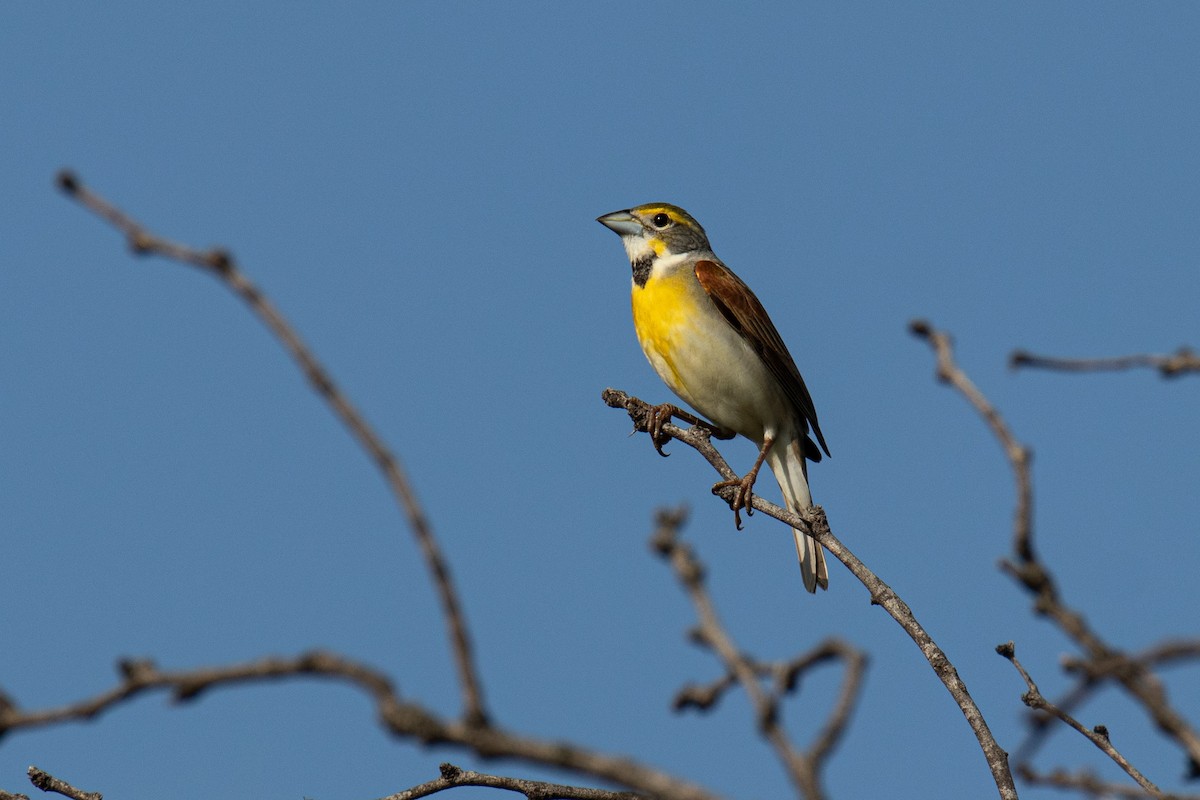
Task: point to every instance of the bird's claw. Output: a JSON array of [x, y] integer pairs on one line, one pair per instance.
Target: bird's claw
[[659, 416], [742, 496]]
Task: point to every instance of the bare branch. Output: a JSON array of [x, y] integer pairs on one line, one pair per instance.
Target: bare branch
[[452, 777], [742, 670], [1104, 661], [220, 264], [1018, 455], [404, 719], [48, 783], [1182, 361], [839, 719], [816, 525], [1097, 735], [1168, 652]]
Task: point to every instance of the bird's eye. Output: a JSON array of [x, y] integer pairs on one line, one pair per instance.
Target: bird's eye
[[661, 220]]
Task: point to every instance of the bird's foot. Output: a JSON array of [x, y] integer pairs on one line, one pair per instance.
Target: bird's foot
[[662, 413], [659, 416], [742, 495], [743, 487]]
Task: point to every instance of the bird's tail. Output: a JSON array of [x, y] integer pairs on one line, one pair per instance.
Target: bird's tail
[[787, 463]]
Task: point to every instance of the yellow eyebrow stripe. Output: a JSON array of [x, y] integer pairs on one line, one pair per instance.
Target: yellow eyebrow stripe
[[670, 211]]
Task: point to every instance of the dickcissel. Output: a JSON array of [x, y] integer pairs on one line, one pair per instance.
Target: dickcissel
[[711, 341]]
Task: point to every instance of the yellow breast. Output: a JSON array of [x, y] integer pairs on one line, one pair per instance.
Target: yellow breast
[[664, 315]]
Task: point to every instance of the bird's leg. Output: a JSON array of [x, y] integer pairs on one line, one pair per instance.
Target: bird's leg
[[745, 485]]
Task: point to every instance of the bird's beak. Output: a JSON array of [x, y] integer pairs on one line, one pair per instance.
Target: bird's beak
[[621, 223]]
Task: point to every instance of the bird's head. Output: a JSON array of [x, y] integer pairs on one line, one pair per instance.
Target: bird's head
[[655, 230]]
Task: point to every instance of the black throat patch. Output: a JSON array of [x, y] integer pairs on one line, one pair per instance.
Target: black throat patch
[[641, 269]]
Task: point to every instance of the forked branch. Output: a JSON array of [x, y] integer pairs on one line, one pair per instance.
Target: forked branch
[[1102, 661], [402, 718], [1098, 735], [816, 525], [451, 777], [766, 684], [221, 265]]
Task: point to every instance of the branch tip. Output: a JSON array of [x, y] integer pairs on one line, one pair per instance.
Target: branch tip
[[67, 181], [920, 327], [135, 670]]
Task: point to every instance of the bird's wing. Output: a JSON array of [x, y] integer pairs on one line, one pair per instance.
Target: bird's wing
[[746, 314]]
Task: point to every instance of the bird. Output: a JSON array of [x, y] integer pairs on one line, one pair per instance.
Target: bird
[[711, 341]]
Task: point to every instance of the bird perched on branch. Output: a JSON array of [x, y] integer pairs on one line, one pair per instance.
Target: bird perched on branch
[[711, 341]]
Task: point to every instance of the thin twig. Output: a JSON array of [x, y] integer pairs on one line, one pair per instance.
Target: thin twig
[[713, 634], [816, 525], [453, 777], [402, 718], [803, 767], [220, 264], [1017, 454], [1097, 735], [851, 690], [1168, 652], [1181, 361]]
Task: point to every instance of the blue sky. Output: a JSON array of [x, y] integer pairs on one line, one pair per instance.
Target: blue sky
[[415, 185]]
